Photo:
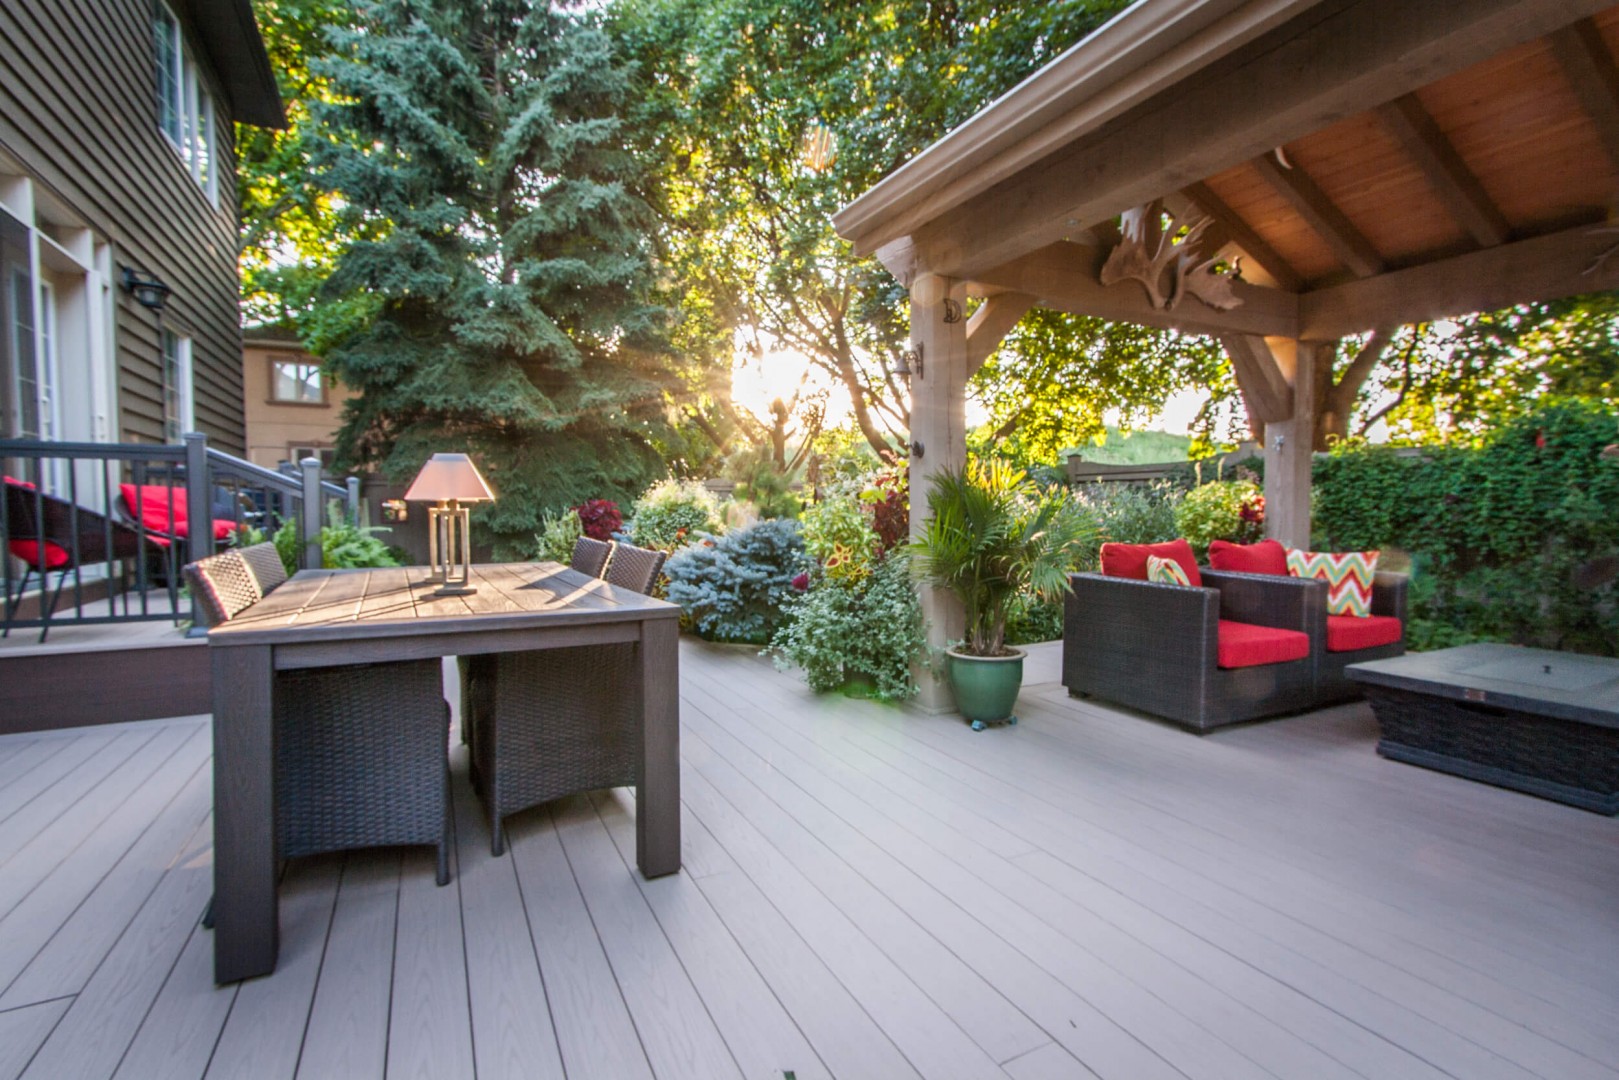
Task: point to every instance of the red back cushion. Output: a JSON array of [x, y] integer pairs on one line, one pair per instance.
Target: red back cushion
[[1130, 560], [1265, 557], [151, 502]]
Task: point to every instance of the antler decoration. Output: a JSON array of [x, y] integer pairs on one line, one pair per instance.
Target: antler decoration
[[1146, 252]]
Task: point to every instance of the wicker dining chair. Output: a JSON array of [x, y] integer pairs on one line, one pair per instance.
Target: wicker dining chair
[[361, 750], [557, 722], [478, 672]]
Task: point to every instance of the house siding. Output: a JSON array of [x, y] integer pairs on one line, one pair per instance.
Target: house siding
[[79, 97]]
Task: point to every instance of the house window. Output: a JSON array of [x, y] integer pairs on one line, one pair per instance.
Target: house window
[[177, 410], [185, 111], [296, 382]]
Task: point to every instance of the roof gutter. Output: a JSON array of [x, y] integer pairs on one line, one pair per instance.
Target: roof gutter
[[1145, 49]]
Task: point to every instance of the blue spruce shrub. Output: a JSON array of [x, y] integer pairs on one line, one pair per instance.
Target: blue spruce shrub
[[733, 587]]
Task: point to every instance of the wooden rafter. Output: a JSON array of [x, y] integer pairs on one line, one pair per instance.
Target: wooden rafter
[[1590, 67], [1464, 198], [1319, 212], [1238, 232]]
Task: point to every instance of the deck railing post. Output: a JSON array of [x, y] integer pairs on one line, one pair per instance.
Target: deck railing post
[[353, 485], [313, 513], [199, 514]]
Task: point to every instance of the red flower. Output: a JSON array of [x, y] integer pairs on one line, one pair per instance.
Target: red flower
[[801, 582]]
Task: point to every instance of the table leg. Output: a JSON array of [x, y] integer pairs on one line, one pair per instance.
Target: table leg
[[657, 787], [246, 931]]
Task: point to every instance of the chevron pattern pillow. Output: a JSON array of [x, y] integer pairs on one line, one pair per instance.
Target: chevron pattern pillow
[[1348, 576], [1166, 572]]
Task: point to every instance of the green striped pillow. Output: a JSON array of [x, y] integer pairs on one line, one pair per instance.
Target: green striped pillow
[[1348, 576], [1166, 572]]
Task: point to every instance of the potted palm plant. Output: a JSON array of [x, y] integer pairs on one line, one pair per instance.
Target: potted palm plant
[[991, 535]]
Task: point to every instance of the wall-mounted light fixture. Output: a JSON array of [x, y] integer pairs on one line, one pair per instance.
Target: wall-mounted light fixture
[[148, 290], [910, 362]]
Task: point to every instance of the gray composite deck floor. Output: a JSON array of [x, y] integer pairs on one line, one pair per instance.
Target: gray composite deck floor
[[867, 893]]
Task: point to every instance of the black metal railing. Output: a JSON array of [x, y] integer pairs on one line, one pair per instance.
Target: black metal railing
[[93, 522]]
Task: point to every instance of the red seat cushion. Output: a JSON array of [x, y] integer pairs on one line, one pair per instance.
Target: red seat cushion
[[1347, 633], [158, 507], [1246, 645], [1265, 557], [56, 556], [1130, 560]]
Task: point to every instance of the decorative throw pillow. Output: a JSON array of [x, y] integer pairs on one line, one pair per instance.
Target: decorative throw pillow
[[1166, 572], [1348, 576], [1265, 557]]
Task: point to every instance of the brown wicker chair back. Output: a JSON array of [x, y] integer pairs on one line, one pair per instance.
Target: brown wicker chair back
[[223, 587], [264, 562], [590, 556], [634, 568]]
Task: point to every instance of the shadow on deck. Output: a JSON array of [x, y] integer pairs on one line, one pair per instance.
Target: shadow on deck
[[867, 893]]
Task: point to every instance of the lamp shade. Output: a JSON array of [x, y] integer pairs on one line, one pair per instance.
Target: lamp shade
[[449, 476]]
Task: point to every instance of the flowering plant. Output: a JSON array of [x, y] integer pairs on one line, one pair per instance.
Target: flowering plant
[[599, 518]]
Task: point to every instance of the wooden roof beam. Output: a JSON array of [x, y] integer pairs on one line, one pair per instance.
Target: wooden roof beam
[[1063, 277], [1292, 84], [1240, 233], [1458, 189], [1568, 263], [991, 323], [1322, 215], [1260, 379], [1589, 66]]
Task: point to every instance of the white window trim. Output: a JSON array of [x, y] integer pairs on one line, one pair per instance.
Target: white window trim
[[184, 386], [198, 142]]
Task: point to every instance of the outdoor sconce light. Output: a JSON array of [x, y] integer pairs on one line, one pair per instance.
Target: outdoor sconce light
[[910, 363], [147, 289], [450, 480]]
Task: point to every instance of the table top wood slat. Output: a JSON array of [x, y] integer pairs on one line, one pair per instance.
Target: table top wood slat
[[326, 605]]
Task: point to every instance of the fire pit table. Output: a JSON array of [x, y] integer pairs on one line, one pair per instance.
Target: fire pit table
[[1537, 721]]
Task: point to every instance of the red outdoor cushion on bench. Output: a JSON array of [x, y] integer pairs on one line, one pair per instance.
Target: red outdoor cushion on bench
[[56, 556], [1347, 633], [1130, 560], [151, 504], [1246, 645], [1265, 557]]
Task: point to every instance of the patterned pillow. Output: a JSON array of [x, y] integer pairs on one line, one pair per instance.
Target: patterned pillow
[[1348, 576], [1166, 572]]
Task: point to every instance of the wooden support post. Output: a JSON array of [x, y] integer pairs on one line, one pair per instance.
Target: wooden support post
[[938, 441], [1289, 450]]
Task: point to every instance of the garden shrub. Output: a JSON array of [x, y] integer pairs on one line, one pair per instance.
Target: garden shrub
[[1225, 510], [1501, 536], [887, 498], [671, 514], [343, 545], [599, 518], [1133, 513], [558, 532], [841, 629], [733, 587], [1031, 620], [761, 484]]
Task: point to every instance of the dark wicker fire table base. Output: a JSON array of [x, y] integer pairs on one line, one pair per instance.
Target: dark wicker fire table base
[[1542, 722]]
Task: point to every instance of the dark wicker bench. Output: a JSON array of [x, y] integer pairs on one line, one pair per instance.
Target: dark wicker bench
[[1542, 722]]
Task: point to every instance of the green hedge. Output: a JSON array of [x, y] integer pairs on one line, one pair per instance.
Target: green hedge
[[1497, 534]]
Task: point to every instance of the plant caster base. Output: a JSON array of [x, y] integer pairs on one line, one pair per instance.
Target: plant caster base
[[1010, 721]]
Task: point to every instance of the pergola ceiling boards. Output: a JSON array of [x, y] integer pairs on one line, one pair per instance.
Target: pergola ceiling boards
[[1368, 163]]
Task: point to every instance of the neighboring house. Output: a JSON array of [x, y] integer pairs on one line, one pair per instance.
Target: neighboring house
[[117, 176], [292, 409]]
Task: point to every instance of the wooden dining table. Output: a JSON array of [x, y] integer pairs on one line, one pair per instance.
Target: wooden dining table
[[329, 618]]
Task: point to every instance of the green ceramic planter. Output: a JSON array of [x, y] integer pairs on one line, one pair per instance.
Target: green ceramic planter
[[986, 687]]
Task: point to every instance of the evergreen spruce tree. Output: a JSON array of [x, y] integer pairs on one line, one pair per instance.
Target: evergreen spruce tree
[[509, 266]]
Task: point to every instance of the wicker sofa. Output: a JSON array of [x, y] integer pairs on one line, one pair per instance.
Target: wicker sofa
[[1172, 651]]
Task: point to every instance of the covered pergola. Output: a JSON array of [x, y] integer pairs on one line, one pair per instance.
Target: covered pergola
[[1279, 174]]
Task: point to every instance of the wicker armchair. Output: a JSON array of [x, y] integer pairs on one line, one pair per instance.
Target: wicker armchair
[[48, 536], [1157, 647], [361, 751], [554, 722]]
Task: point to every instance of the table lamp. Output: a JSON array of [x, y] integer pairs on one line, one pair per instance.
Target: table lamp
[[451, 481]]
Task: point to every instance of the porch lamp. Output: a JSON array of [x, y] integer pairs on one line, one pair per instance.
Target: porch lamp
[[451, 481]]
